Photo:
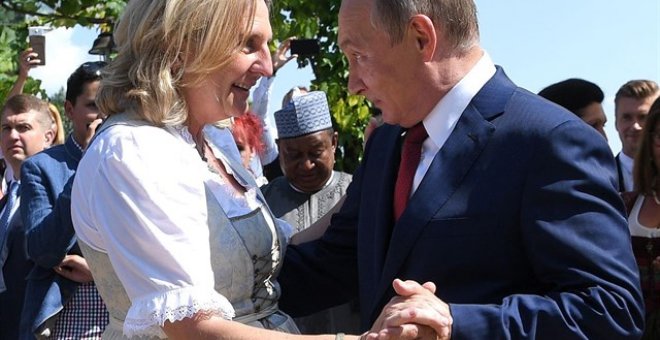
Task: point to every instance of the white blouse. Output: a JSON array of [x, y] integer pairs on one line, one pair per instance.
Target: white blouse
[[636, 228], [138, 197]]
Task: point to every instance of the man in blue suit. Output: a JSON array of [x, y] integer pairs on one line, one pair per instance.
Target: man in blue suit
[[512, 213], [61, 300], [25, 129]]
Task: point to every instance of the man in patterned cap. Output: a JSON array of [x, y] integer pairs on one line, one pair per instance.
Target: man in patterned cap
[[309, 188]]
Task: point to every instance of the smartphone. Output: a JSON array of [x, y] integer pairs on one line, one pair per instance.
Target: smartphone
[[38, 44], [305, 47]]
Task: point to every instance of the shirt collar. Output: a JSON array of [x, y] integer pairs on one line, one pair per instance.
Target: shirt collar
[[626, 162], [442, 119]]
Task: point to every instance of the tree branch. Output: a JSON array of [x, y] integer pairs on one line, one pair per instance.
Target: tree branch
[[17, 9]]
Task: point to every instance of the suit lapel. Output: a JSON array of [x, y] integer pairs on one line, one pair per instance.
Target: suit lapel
[[377, 232], [446, 173], [443, 177]]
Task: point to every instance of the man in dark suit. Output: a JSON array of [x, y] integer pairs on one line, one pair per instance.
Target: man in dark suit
[[513, 212], [26, 127]]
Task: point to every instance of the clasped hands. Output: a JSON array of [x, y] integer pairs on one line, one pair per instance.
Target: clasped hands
[[415, 313]]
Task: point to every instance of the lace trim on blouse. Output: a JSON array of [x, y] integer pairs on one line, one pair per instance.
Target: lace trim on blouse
[[148, 314]]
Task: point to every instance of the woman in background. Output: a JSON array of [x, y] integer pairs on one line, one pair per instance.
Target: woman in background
[[644, 218]]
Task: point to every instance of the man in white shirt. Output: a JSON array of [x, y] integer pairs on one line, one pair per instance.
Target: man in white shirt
[[25, 129], [631, 106]]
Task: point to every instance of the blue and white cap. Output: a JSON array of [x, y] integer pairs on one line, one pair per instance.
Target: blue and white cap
[[303, 115]]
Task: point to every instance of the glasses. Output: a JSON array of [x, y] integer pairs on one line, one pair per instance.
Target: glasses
[[93, 67]]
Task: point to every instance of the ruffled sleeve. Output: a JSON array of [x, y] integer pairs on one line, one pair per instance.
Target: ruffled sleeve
[[147, 211]]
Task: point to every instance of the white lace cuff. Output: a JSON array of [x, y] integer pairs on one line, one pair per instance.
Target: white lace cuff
[[148, 314]]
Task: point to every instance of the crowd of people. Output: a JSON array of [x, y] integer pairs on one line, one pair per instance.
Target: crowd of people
[[174, 209]]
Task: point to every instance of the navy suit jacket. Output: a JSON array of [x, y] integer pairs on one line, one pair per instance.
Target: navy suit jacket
[[46, 180], [15, 267], [517, 221]]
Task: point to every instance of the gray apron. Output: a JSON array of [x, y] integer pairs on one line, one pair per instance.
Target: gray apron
[[244, 261]]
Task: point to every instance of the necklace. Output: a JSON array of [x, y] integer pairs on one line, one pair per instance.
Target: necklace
[[655, 197]]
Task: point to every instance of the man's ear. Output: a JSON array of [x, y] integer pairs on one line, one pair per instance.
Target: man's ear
[[49, 137], [68, 109], [423, 31]]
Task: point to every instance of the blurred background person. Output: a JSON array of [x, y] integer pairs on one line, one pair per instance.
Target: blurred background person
[[27, 61], [644, 218], [247, 131], [631, 106], [582, 97], [310, 188]]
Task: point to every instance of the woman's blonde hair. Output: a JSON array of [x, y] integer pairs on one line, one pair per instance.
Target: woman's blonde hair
[[158, 42], [58, 128]]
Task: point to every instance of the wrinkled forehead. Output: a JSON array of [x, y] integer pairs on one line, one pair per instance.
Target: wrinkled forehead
[[354, 21], [28, 116]]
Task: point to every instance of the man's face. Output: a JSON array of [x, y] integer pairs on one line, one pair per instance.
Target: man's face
[[22, 135], [84, 111], [383, 72], [630, 114], [594, 115], [307, 161]]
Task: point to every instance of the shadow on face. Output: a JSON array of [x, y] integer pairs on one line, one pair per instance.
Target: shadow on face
[[307, 161]]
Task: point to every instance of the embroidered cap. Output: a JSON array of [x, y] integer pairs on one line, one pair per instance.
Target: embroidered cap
[[304, 114]]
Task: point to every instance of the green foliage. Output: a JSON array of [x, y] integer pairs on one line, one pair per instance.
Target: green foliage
[[17, 15], [300, 18], [318, 19]]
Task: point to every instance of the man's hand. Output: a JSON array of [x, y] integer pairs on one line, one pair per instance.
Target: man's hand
[[74, 268], [415, 313], [91, 130]]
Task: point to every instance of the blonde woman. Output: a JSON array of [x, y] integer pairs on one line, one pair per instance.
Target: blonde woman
[[177, 235]]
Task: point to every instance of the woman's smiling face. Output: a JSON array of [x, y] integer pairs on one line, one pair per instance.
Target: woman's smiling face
[[224, 93]]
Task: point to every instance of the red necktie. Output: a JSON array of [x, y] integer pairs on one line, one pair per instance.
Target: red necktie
[[411, 153]]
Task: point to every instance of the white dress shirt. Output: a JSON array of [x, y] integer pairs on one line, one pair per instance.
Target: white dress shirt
[[441, 121]]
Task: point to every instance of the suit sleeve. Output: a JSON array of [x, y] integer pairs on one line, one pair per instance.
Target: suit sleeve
[[576, 238], [47, 217]]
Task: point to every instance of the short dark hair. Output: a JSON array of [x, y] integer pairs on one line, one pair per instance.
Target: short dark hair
[[573, 94], [85, 73]]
